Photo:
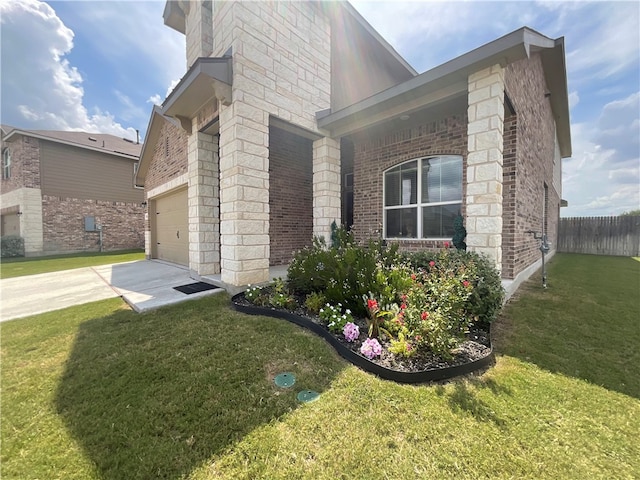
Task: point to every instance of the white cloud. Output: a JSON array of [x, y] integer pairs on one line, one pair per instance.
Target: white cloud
[[46, 91], [603, 176], [574, 99], [157, 99]]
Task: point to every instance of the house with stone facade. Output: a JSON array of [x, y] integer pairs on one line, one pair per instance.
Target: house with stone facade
[[293, 115], [68, 192]]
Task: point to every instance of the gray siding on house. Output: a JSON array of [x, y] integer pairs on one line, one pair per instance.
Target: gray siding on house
[[70, 172], [359, 67]]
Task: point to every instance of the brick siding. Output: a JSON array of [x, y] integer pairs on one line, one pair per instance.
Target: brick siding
[[25, 164], [169, 156], [526, 87], [63, 225], [374, 154], [290, 194], [509, 173]]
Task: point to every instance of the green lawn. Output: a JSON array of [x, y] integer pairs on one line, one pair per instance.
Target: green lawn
[[98, 392], [17, 267]]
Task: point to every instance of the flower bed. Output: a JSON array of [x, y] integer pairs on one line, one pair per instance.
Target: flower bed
[[474, 354], [410, 318]]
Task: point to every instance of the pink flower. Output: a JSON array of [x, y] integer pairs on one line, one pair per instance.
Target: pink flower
[[370, 348], [413, 276], [372, 304], [351, 331], [446, 244], [403, 307], [432, 263], [466, 283], [424, 315]]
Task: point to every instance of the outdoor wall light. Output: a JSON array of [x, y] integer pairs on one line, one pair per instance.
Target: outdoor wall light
[[19, 214], [144, 204]]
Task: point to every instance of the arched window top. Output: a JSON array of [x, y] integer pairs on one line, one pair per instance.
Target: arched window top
[[6, 163], [422, 197]]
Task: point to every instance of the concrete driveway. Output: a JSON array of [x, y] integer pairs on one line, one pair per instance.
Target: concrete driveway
[[145, 285]]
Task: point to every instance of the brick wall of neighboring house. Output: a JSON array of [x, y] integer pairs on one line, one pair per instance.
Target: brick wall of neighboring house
[[63, 225], [535, 129], [169, 156], [290, 194], [376, 153], [25, 164]]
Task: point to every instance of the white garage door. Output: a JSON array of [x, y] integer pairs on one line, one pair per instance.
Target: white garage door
[[172, 228]]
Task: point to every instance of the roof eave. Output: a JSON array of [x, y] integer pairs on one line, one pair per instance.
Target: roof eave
[[512, 47], [208, 78], [556, 75], [151, 138], [27, 133], [174, 17]]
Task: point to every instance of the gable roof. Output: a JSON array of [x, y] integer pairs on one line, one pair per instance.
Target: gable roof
[[156, 121], [450, 80], [99, 142]]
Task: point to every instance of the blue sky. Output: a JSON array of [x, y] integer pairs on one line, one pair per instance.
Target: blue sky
[[100, 66]]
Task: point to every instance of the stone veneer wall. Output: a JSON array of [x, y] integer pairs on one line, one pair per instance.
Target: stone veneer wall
[[484, 163], [63, 225], [526, 87], [290, 195], [281, 67], [375, 154]]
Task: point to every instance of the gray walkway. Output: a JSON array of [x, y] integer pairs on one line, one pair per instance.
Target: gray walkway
[[144, 285]]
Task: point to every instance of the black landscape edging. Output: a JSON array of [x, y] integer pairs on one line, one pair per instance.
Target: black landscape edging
[[362, 362]]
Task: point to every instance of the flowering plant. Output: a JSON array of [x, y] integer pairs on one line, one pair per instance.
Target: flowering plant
[[376, 316], [370, 348], [336, 320], [351, 331]]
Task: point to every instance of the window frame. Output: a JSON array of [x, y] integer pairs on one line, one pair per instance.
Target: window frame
[[419, 205], [6, 163]]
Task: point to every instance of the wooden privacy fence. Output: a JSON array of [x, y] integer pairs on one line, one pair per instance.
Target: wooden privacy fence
[[600, 235]]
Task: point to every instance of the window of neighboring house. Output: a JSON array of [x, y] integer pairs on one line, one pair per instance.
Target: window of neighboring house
[[422, 197], [6, 164]]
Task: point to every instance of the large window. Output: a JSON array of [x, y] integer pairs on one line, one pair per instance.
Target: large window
[[6, 163], [423, 197]]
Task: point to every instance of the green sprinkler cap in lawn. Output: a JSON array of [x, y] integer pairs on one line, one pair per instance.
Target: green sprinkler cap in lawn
[[308, 396], [285, 380]]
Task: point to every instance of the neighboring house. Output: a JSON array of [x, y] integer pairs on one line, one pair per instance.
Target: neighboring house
[[70, 191], [293, 115]]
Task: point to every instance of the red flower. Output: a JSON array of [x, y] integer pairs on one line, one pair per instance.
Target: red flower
[[432, 263], [372, 304], [403, 306], [446, 244], [424, 315], [403, 297], [466, 283], [413, 276]]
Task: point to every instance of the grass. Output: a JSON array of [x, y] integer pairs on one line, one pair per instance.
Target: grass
[[98, 392], [17, 267]]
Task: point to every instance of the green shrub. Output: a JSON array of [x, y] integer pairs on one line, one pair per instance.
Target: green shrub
[[487, 295], [314, 302], [346, 271], [11, 246]]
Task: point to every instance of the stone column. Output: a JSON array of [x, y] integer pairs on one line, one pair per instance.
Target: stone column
[[244, 194], [484, 163], [203, 198], [326, 186]]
